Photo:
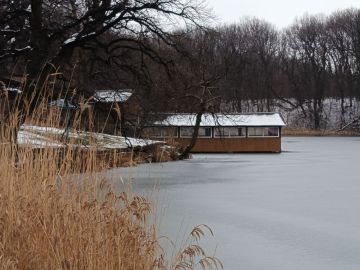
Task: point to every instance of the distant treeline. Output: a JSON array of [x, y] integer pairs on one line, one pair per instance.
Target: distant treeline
[[315, 58], [195, 68]]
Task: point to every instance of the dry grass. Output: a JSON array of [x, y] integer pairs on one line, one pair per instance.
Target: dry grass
[[50, 219], [311, 132]]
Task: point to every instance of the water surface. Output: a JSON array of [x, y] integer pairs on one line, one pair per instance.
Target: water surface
[[294, 210]]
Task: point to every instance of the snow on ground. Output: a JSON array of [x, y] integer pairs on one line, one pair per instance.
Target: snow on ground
[[331, 116], [39, 137], [26, 138], [120, 95]]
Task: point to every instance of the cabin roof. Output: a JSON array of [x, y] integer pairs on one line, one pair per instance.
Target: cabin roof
[[112, 95], [62, 103], [243, 119]]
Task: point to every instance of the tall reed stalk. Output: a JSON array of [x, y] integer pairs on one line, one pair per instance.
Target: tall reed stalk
[[53, 217]]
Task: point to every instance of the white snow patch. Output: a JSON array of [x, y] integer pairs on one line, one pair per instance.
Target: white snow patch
[[62, 103], [27, 138], [13, 89], [76, 36], [39, 137], [72, 38], [44, 130], [112, 95], [23, 49], [332, 116]]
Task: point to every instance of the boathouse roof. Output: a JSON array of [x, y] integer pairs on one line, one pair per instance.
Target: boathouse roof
[[209, 120], [120, 95]]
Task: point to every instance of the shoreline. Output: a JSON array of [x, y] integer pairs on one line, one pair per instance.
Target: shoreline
[[289, 132]]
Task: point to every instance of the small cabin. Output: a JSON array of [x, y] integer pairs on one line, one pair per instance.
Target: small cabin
[[113, 108], [105, 111], [222, 133]]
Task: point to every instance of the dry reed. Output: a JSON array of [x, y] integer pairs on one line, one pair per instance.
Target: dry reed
[[321, 132], [53, 218]]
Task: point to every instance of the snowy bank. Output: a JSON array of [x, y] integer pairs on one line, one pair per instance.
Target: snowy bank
[[41, 137]]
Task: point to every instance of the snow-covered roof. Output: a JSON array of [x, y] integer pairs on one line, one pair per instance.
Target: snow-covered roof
[[245, 119], [62, 104], [112, 95]]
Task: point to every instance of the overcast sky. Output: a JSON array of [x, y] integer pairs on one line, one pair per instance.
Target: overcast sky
[[281, 13]]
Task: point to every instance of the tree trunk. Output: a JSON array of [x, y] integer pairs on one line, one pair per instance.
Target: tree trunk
[[185, 154]]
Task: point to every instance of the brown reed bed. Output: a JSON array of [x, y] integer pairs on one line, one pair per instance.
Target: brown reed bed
[[322, 132], [50, 220]]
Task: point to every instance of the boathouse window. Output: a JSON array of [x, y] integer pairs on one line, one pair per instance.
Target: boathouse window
[[273, 131], [160, 132], [228, 132], [187, 132], [169, 132], [263, 132], [255, 132]]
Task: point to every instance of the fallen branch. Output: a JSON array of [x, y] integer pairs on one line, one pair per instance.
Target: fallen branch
[[349, 124]]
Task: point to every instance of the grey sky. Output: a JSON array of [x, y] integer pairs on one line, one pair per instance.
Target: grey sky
[[279, 12]]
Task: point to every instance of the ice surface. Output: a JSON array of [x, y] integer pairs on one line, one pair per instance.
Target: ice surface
[[295, 210]]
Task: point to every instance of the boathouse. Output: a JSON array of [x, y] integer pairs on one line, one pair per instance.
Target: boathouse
[[222, 133]]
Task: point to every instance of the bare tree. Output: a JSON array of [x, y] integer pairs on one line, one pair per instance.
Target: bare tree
[[47, 33], [42, 36], [342, 62], [308, 43], [205, 101]]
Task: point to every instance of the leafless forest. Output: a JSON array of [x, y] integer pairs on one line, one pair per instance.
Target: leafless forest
[[177, 59]]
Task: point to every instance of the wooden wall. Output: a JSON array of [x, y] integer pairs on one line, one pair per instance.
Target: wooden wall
[[234, 145]]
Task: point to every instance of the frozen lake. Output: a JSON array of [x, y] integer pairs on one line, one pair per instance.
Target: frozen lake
[[294, 210]]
